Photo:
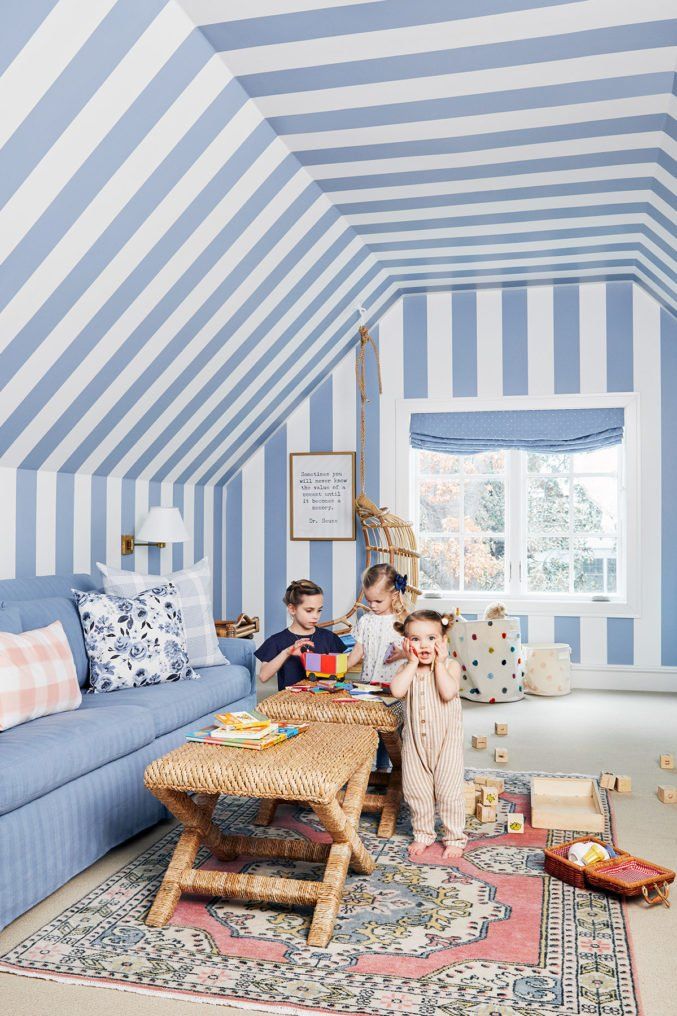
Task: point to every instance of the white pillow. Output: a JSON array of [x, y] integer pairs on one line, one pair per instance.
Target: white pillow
[[194, 585]]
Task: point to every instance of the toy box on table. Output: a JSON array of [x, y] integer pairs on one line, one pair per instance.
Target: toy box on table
[[325, 664]]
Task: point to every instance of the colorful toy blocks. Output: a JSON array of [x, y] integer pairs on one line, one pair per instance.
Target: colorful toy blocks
[[607, 781], [325, 664], [667, 761], [501, 729], [479, 741], [667, 793], [515, 823], [500, 755], [483, 813], [623, 785]]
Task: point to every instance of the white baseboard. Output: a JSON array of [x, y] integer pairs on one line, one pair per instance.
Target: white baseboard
[[623, 678]]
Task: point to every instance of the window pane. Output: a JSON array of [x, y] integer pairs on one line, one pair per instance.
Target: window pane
[[439, 505], [595, 504], [548, 565], [485, 462], [484, 506], [595, 565], [484, 564], [548, 505], [550, 463], [604, 460], [438, 462], [440, 563]]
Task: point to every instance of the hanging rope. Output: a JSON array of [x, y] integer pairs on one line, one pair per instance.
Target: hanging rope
[[361, 374]]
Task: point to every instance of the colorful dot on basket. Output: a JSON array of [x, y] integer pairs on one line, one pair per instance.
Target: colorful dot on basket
[[474, 636], [514, 676], [492, 699], [455, 653], [503, 662], [463, 667], [519, 688], [519, 660], [504, 690], [504, 635], [512, 649], [474, 663], [491, 649], [490, 676], [461, 638], [490, 623], [465, 677]]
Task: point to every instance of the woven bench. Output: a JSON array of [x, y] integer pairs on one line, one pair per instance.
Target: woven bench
[[307, 707], [312, 768]]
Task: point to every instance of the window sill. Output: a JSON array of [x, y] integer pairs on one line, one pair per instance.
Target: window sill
[[534, 605]]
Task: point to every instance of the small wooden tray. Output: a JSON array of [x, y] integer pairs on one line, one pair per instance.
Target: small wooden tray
[[563, 802]]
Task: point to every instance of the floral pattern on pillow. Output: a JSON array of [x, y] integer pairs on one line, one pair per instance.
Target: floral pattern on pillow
[[134, 641]]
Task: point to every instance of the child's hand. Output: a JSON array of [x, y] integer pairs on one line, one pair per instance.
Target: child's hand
[[409, 651], [297, 648], [442, 651], [395, 653]]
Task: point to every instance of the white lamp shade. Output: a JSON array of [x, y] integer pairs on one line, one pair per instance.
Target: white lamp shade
[[163, 525]]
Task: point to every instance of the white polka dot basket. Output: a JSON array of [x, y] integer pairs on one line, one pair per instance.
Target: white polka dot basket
[[548, 669], [490, 654]]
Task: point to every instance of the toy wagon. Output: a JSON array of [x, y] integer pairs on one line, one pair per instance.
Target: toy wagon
[[325, 664]]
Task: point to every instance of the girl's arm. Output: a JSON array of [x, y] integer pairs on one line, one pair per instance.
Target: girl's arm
[[356, 655], [270, 667], [447, 673], [402, 681]]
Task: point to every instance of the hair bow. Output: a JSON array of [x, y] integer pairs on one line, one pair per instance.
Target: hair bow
[[400, 583]]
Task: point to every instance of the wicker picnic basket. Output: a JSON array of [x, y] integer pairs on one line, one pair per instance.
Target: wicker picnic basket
[[559, 866], [631, 876]]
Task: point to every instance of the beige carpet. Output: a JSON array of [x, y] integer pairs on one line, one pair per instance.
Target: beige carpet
[[585, 732]]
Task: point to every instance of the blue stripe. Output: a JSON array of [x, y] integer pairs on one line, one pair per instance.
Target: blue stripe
[[524, 627], [321, 440], [464, 344], [177, 548], [217, 561], [568, 630], [515, 344], [199, 522], [620, 641], [99, 509], [64, 100], [415, 347], [567, 339], [275, 529], [234, 547], [617, 39], [19, 21], [65, 522], [619, 328], [668, 489], [480, 104], [154, 501], [128, 517], [26, 522], [523, 272]]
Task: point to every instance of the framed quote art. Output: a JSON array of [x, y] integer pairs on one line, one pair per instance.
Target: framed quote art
[[322, 495]]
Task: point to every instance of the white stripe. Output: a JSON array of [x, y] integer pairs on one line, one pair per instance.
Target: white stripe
[[592, 333], [113, 521], [224, 550], [8, 522], [82, 523], [45, 523], [593, 641], [541, 340], [208, 526], [391, 344], [541, 629], [497, 262], [489, 343], [344, 433], [166, 501], [49, 50], [491, 248], [298, 440], [139, 66], [253, 535], [189, 520], [207, 12], [438, 308]]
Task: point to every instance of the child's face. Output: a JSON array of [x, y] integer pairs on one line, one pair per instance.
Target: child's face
[[380, 598], [308, 611], [423, 635]]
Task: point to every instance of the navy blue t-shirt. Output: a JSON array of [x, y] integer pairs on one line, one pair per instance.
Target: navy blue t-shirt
[[324, 641]]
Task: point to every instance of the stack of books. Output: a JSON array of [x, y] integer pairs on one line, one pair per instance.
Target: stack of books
[[246, 730]]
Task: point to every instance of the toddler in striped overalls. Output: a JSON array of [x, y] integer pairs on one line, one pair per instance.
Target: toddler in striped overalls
[[432, 748]]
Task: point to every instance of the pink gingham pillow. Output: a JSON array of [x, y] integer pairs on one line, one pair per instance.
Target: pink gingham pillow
[[37, 675]]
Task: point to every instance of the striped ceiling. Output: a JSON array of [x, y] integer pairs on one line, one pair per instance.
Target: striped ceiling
[[189, 215]]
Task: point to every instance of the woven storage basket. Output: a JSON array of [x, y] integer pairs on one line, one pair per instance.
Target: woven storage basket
[[559, 866], [631, 876]]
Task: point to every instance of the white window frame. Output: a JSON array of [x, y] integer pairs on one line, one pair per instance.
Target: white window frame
[[626, 603]]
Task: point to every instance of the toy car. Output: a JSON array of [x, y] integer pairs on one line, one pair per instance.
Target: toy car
[[325, 664]]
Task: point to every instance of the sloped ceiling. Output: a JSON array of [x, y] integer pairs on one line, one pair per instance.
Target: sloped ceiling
[[189, 216]]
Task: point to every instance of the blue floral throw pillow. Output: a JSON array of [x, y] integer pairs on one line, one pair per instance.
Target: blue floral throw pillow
[[134, 640]]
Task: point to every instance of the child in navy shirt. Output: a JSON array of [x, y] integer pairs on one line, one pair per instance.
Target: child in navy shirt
[[280, 653]]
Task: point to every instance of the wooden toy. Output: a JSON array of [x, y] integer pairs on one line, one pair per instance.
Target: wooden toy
[[501, 729], [515, 823], [483, 813], [607, 781], [500, 755], [489, 795], [325, 664], [667, 761], [667, 793], [562, 802], [623, 784], [495, 781], [479, 741]]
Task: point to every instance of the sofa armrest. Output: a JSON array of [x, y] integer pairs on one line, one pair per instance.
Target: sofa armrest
[[241, 652]]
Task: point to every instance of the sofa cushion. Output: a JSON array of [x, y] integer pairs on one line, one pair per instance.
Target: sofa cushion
[[48, 752], [174, 704], [10, 619], [37, 675], [40, 613]]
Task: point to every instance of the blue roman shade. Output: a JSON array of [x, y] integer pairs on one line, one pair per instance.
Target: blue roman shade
[[535, 430]]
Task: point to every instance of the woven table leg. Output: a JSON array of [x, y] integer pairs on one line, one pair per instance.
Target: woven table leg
[[341, 823], [393, 796], [266, 812]]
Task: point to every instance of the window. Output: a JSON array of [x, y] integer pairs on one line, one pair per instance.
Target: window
[[521, 524]]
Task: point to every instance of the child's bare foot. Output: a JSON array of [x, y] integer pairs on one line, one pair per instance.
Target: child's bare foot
[[452, 851], [416, 848]]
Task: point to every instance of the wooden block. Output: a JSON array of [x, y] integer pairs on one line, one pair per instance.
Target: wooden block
[[500, 755], [483, 813], [481, 781], [469, 807], [489, 795], [501, 729], [497, 782], [667, 793], [479, 741], [624, 784], [607, 781], [667, 761], [468, 787], [515, 823]]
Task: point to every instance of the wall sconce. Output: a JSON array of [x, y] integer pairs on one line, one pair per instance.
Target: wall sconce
[[161, 526]]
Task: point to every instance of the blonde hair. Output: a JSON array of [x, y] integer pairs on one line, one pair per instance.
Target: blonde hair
[[394, 583], [423, 615]]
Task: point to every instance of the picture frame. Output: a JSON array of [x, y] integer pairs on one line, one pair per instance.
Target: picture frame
[[322, 496]]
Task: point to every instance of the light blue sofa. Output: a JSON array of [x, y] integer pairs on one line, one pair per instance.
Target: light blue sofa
[[71, 785]]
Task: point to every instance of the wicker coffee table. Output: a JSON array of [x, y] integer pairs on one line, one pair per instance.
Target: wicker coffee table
[[387, 720], [312, 768]]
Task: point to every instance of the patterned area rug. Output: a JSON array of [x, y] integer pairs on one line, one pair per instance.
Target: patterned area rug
[[490, 935]]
